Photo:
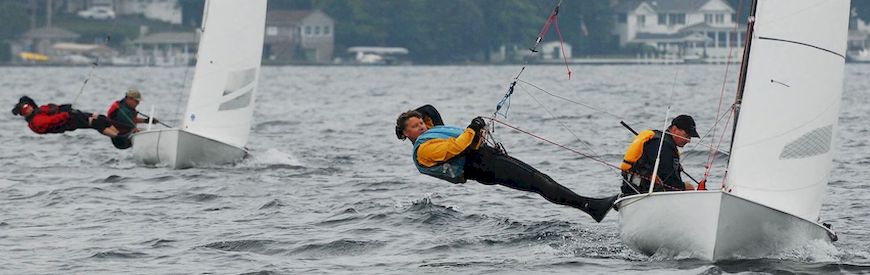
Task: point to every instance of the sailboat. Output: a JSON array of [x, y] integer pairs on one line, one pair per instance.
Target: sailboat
[[220, 107], [781, 155]]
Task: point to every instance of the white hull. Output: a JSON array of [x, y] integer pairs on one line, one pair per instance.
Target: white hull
[[181, 149], [711, 225]]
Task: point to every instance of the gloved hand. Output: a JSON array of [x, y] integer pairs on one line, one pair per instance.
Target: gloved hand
[[65, 107], [476, 124]]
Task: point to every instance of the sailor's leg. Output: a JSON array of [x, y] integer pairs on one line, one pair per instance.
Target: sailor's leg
[[489, 166]]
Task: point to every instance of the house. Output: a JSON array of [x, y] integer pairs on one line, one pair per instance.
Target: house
[[166, 49], [162, 10], [41, 40], [553, 50], [684, 28], [294, 35], [858, 45], [168, 11]]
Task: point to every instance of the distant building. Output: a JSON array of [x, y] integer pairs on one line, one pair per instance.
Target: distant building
[[41, 40], [553, 50], [166, 49], [293, 35], [858, 40], [685, 28], [162, 10]]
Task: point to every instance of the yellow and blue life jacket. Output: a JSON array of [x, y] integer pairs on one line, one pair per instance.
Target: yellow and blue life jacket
[[450, 170]]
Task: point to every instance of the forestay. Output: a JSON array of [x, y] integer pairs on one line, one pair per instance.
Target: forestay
[[783, 144], [221, 102]]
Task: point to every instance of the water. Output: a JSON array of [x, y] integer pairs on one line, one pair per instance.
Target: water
[[329, 189]]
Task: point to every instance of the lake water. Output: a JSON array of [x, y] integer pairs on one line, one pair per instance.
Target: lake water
[[329, 189]]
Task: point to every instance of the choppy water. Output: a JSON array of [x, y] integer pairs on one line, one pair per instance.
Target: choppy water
[[328, 188]]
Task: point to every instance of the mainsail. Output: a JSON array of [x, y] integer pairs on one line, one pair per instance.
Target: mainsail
[[221, 102], [783, 142]]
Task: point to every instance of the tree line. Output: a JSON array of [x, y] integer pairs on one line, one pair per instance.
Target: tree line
[[435, 31]]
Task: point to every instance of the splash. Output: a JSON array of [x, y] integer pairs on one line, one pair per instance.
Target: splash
[[271, 158]]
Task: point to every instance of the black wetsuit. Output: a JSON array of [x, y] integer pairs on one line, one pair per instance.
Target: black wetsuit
[[490, 166]]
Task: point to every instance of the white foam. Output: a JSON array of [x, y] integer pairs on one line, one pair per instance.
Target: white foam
[[271, 157]]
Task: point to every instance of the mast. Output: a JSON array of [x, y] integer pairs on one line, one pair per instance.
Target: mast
[[744, 67]]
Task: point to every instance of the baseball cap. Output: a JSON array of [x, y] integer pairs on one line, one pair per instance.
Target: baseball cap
[[686, 123]]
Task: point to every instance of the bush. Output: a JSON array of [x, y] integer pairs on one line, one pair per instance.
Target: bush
[[5, 52]]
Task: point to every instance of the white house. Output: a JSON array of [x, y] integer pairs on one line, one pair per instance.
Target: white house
[[686, 28], [163, 10], [553, 50]]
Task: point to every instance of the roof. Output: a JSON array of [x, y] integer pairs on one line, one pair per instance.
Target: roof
[[706, 27], [168, 38], [290, 17], [52, 32], [662, 5], [687, 37], [75, 47], [378, 50]]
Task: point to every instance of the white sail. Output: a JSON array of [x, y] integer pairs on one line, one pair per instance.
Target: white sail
[[221, 103], [783, 144]]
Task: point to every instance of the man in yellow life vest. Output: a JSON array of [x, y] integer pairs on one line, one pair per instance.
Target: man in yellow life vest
[[639, 161], [640, 158], [458, 154]]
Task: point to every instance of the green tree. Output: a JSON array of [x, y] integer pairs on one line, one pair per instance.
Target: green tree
[[13, 19]]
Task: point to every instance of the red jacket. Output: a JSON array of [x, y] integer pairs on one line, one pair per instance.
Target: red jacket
[[48, 119]]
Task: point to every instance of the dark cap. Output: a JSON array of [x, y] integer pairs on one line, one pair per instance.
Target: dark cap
[[24, 100], [685, 123]]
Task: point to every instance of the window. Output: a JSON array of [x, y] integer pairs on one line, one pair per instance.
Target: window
[[708, 18], [641, 20], [720, 19], [316, 30], [722, 41], [732, 36], [307, 30], [621, 18], [677, 19], [733, 18], [712, 42], [663, 18], [326, 30], [272, 30]]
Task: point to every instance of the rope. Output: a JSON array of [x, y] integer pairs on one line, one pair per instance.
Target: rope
[[96, 63], [712, 155], [595, 158], [552, 19]]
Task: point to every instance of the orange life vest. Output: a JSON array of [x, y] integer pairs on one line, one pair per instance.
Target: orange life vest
[[635, 149]]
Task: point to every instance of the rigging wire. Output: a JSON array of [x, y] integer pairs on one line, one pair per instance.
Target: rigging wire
[[552, 19], [712, 154], [96, 63]]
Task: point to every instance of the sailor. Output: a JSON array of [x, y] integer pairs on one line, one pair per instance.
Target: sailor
[[640, 158], [125, 117], [458, 154], [54, 119]]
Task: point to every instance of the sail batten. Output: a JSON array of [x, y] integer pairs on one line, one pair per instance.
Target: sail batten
[[781, 151]]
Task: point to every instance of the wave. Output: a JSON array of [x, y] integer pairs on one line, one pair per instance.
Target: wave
[[112, 254], [253, 246], [202, 197], [271, 159], [274, 203], [342, 247]]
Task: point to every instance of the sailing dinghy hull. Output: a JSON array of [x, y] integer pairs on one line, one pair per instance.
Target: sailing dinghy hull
[[711, 225], [181, 149]]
